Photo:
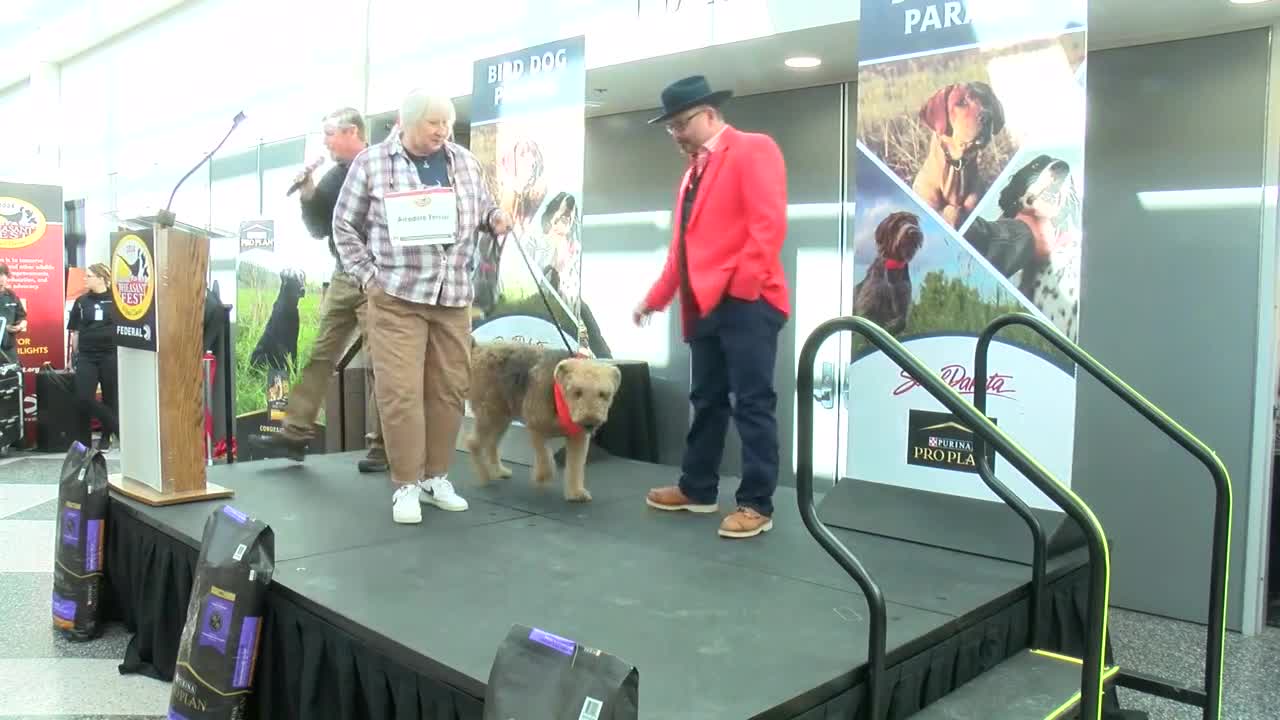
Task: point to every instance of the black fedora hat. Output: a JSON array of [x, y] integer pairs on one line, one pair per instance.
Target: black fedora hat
[[689, 92]]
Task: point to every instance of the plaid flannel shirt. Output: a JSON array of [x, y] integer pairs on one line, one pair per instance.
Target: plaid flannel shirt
[[431, 274]]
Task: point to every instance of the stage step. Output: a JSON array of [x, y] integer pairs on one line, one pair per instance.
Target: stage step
[[1032, 685]]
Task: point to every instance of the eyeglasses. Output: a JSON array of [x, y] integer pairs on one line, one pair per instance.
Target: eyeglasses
[[680, 124]]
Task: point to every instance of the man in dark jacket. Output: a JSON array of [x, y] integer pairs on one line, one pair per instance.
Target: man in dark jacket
[[343, 311]]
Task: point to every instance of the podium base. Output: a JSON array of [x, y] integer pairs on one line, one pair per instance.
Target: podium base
[[148, 495]]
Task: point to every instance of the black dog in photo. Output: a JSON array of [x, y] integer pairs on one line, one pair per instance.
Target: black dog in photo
[[277, 349], [884, 294]]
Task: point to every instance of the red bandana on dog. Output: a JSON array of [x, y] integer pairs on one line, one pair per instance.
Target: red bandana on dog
[[571, 428], [891, 264]]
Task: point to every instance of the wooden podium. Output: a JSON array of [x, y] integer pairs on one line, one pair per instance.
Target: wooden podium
[[158, 286]]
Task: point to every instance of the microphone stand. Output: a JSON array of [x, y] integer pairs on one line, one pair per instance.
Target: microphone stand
[[165, 218]]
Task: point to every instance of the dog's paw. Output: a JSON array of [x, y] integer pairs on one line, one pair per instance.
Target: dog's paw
[[503, 472], [482, 476], [581, 496]]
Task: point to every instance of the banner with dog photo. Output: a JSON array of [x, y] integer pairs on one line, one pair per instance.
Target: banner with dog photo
[[279, 289], [969, 181], [528, 132]]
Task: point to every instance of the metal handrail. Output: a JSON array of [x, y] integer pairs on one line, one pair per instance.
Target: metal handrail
[[820, 532], [1099, 565], [1219, 570], [1040, 544], [228, 388], [341, 369]]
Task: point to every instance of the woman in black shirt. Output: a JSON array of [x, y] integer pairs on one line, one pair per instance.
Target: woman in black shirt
[[93, 341]]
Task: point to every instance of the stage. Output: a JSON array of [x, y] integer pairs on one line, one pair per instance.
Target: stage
[[372, 619]]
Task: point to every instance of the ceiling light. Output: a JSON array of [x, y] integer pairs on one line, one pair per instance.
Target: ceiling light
[[802, 62], [1247, 2]]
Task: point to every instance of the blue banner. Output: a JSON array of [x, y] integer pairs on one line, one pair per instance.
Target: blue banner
[[894, 29], [533, 80], [528, 132]]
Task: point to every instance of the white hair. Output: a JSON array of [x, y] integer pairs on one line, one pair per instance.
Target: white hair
[[419, 103]]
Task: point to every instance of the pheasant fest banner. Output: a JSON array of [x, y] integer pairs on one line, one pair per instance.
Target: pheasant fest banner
[[31, 245]]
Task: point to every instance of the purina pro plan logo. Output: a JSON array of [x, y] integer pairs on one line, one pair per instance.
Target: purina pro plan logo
[[940, 440]]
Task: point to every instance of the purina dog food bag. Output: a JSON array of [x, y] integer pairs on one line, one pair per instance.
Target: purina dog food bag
[[540, 676], [81, 544], [219, 648]]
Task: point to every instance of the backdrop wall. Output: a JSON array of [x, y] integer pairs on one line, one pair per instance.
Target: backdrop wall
[[1170, 302]]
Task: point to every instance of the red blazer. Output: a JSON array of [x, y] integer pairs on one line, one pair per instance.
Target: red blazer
[[734, 241]]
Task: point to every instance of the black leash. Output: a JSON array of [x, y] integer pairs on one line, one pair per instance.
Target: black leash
[[538, 284]]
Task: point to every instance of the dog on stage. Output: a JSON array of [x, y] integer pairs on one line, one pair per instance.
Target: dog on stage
[[553, 393], [278, 346], [1042, 194], [884, 294], [963, 118]]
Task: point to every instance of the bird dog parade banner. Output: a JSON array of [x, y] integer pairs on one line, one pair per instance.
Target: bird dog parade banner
[[969, 181], [528, 132], [31, 246], [277, 320]]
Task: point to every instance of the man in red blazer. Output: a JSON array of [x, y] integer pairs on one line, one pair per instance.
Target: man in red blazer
[[729, 224]]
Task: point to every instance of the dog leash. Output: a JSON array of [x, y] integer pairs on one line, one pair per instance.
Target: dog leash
[[538, 280], [563, 415]]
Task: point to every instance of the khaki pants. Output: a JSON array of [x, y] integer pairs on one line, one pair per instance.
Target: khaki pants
[[423, 357], [342, 314]]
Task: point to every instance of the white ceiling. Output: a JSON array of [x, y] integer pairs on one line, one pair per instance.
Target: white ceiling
[[756, 66]]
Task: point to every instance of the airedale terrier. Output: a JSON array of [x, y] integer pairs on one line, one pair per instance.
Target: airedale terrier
[[553, 393]]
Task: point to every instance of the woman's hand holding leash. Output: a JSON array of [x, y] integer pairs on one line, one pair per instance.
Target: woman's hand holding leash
[[499, 223]]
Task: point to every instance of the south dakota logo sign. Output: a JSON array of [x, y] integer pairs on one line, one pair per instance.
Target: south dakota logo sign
[[21, 223], [132, 277]]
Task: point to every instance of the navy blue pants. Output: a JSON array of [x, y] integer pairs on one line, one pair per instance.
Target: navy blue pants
[[734, 350]]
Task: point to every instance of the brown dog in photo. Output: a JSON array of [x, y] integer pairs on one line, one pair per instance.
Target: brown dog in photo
[[884, 294], [553, 393], [963, 118]]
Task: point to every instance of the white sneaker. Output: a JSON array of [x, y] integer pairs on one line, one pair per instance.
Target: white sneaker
[[439, 491], [404, 505]]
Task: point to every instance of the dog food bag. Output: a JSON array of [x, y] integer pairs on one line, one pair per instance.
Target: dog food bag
[[218, 650], [81, 544], [540, 676]]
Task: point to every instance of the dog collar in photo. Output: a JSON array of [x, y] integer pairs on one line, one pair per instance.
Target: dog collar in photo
[[893, 264], [563, 415]]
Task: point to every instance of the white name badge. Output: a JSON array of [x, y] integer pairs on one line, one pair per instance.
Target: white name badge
[[428, 216]]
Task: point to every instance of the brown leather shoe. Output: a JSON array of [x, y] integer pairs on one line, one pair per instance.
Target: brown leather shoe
[[673, 498], [375, 461], [744, 523]]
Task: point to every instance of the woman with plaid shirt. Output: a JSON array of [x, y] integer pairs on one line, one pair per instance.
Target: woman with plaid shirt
[[407, 224]]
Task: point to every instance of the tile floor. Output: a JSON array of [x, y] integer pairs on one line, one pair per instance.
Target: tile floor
[[42, 676]]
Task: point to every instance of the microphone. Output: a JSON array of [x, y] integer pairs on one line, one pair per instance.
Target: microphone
[[302, 176], [166, 218]]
